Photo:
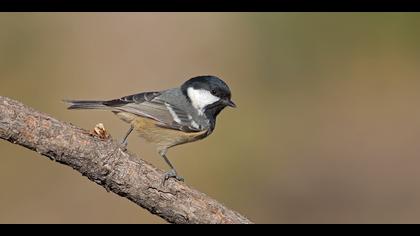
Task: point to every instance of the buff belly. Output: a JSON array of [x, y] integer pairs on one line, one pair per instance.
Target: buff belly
[[164, 138]]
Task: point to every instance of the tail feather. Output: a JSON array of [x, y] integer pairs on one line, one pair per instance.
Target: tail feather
[[80, 104]]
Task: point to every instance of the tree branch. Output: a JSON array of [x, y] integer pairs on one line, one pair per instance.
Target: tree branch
[[102, 161]]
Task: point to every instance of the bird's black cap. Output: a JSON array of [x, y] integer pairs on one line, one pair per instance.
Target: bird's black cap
[[213, 84]]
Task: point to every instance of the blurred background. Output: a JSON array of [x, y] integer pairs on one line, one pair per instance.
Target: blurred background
[[327, 128]]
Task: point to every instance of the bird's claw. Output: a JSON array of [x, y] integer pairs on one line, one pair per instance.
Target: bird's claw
[[123, 145], [172, 174]]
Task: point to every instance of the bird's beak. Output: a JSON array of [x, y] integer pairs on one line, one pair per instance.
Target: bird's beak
[[230, 103]]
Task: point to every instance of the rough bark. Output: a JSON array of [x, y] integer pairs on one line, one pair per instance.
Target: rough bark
[[102, 161]]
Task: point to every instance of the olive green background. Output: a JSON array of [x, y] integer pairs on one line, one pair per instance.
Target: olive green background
[[327, 128]]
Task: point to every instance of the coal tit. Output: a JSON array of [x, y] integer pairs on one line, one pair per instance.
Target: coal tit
[[170, 117]]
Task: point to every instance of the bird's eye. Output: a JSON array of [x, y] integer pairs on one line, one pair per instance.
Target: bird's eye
[[213, 91]]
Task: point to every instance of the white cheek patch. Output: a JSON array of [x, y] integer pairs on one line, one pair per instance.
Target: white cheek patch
[[201, 98]]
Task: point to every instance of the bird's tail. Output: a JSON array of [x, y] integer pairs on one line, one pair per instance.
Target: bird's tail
[[80, 104]]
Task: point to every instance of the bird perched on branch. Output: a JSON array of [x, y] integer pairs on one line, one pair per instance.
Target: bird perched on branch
[[170, 117]]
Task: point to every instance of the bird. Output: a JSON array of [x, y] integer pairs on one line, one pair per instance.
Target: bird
[[170, 117]]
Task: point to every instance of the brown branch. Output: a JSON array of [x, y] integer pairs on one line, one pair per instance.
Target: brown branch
[[102, 161]]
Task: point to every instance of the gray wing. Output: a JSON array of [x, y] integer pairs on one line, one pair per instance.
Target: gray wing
[[149, 105]]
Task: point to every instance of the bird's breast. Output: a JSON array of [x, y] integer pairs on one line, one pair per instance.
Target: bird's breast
[[152, 132]]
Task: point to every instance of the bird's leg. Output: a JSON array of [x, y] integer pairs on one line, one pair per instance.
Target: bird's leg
[[171, 173], [124, 142]]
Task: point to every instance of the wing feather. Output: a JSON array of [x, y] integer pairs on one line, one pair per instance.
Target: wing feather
[[149, 105]]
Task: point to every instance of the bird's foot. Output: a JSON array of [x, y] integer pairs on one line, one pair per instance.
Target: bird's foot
[[172, 174], [123, 145]]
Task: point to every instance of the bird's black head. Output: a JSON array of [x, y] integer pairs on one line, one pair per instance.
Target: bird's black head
[[208, 94]]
